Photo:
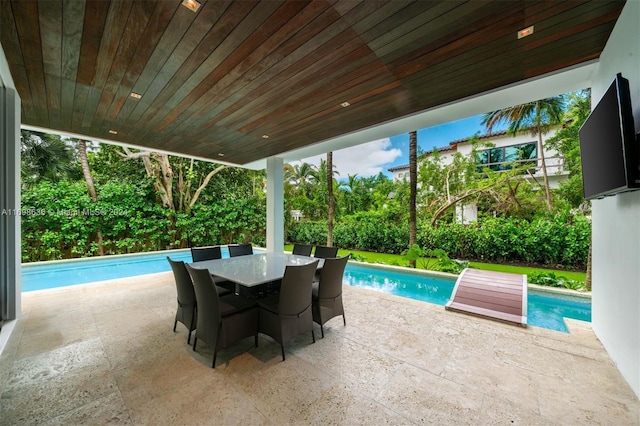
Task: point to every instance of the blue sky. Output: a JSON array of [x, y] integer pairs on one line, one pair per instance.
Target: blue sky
[[378, 156], [436, 137]]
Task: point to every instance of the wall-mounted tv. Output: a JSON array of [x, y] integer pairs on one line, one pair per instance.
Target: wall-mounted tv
[[609, 149]]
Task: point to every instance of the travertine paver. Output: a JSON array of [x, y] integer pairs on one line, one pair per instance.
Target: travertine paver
[[106, 353]]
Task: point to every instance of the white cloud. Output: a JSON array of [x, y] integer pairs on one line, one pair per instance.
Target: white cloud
[[367, 159]]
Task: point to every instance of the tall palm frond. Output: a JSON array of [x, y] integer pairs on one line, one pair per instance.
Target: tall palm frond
[[44, 156], [538, 117]]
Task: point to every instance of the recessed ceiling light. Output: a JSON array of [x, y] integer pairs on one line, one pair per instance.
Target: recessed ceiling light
[[192, 5], [345, 104], [136, 95], [113, 132], [526, 32], [265, 136]]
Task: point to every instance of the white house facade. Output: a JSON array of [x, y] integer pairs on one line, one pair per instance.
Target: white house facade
[[505, 150]]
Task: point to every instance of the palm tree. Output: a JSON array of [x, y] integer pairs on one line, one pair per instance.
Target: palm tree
[[331, 200], [413, 182], [323, 178], [538, 117], [300, 175], [44, 156], [351, 187]]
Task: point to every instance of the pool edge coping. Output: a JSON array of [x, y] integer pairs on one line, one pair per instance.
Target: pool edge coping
[[108, 256], [414, 271]]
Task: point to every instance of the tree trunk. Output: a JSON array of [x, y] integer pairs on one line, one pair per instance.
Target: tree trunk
[[331, 202], [413, 185], [163, 183], [203, 185], [543, 163], [82, 152], [166, 180], [449, 204]]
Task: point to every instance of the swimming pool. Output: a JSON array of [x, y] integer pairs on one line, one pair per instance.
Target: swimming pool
[[544, 309], [44, 275]]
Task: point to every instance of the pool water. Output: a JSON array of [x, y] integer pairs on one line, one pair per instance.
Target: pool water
[[544, 309], [43, 275], [427, 288]]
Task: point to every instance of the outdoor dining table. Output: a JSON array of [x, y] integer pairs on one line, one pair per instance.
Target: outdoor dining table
[[254, 270]]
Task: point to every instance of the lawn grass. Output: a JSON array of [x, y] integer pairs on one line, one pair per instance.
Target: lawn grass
[[578, 276], [396, 259]]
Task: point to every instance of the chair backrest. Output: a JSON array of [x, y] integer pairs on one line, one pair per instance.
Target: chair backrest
[[186, 295], [240, 250], [208, 299], [296, 288], [330, 284], [302, 249], [324, 252], [199, 254]]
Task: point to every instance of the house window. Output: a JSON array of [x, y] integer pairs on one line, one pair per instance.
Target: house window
[[504, 158]]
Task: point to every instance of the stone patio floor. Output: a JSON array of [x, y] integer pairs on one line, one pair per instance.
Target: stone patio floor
[[105, 353]]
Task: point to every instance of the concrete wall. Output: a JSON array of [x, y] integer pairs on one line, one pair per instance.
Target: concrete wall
[[616, 220]]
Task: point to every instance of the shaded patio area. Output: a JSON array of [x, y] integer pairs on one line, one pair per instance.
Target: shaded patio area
[[106, 353]]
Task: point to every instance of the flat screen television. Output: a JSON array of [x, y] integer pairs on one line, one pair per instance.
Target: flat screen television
[[608, 144]]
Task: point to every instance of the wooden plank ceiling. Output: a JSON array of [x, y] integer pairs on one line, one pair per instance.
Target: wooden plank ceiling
[[214, 82]]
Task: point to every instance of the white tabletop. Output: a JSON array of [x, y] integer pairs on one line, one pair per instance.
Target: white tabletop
[[253, 270]]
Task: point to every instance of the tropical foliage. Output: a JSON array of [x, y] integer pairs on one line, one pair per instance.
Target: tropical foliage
[[561, 240], [538, 117], [566, 141], [551, 279], [435, 260], [44, 157], [128, 212], [517, 222], [150, 201]]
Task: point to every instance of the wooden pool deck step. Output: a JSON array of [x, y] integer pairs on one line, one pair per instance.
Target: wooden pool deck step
[[497, 295]]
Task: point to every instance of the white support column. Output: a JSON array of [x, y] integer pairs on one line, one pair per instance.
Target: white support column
[[275, 205], [10, 248]]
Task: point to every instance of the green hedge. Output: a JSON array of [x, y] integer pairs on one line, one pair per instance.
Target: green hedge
[[59, 221], [559, 240]]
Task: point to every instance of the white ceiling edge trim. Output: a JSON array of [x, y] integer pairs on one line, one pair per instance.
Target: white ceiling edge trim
[[124, 144], [562, 81]]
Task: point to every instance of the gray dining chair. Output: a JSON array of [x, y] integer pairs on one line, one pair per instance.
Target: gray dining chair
[[327, 292], [186, 313], [240, 250], [222, 320], [302, 249], [199, 254], [187, 306], [324, 252], [288, 314]]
